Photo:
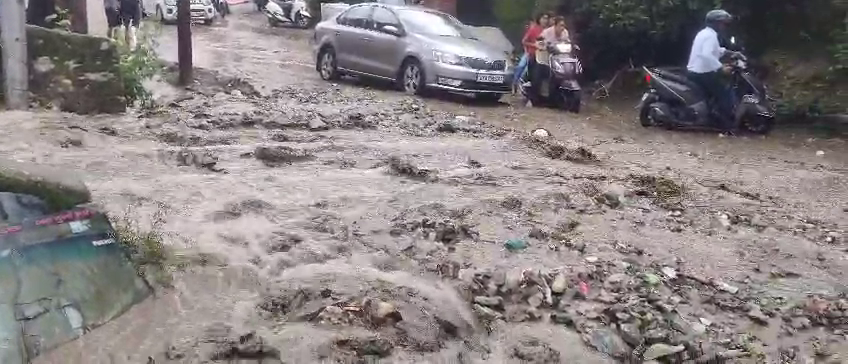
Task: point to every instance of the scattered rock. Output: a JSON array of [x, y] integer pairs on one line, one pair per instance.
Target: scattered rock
[[562, 318], [660, 350], [366, 348], [400, 167], [316, 124], [756, 314], [533, 351], [489, 301], [281, 155], [608, 342], [560, 283], [71, 142], [198, 158], [613, 196]]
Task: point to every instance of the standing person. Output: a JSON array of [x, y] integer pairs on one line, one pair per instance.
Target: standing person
[[522, 63], [705, 66], [131, 19], [113, 17], [530, 43]]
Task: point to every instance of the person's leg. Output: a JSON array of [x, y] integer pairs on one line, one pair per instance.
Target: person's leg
[[718, 97], [519, 70], [131, 19]]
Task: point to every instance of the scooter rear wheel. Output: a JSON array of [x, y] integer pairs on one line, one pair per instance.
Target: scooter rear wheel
[[757, 124]]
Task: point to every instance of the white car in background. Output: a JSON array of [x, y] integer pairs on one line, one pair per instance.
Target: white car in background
[[165, 11]]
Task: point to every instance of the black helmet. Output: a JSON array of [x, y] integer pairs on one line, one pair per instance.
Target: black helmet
[[718, 16]]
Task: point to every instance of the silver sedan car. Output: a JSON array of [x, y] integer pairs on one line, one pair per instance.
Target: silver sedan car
[[415, 47]]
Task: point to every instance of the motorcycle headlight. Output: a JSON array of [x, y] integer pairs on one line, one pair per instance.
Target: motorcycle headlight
[[171, 2], [447, 58]]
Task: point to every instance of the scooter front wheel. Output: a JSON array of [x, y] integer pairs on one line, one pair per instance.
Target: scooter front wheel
[[645, 117]]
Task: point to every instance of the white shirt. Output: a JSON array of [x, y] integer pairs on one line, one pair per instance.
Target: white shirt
[[706, 52], [550, 37]]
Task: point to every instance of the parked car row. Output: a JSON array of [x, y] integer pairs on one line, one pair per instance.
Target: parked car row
[[203, 11]]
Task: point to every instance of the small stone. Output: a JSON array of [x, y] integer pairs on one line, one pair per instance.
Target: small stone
[[488, 301], [705, 321], [669, 272], [562, 318], [384, 312], [536, 300], [721, 221], [630, 333], [559, 284], [591, 259], [651, 279], [538, 234], [758, 316], [486, 313], [316, 124], [660, 350], [608, 342], [725, 287], [800, 323]]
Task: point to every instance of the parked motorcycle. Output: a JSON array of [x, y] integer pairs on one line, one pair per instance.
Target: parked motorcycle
[[673, 100], [560, 88], [287, 11]]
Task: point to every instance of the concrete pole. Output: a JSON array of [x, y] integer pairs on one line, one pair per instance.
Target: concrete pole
[[14, 49]]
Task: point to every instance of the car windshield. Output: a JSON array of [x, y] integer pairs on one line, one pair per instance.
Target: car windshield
[[428, 22]]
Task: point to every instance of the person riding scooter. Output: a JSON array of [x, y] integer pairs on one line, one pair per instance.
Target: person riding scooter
[[704, 67], [550, 36]]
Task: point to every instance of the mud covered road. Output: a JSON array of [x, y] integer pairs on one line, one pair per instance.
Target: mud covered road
[[348, 223]]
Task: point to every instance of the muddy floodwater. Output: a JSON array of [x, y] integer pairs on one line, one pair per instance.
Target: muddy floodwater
[[348, 223]]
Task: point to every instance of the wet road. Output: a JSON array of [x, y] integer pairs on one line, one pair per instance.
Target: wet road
[[408, 201]]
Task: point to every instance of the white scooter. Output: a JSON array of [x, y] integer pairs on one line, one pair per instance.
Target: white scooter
[[287, 11]]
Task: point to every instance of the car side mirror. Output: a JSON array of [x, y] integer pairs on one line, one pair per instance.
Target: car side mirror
[[391, 29]]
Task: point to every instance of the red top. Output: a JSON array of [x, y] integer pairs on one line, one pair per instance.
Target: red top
[[530, 37]]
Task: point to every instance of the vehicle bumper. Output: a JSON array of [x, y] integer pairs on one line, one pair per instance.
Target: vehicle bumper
[[198, 12], [461, 79]]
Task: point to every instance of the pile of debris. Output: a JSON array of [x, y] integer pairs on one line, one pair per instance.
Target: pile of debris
[[625, 311]]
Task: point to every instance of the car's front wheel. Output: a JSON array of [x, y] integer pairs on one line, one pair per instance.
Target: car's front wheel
[[327, 64], [412, 77]]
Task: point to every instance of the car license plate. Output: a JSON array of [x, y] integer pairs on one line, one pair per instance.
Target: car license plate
[[644, 97], [490, 78]]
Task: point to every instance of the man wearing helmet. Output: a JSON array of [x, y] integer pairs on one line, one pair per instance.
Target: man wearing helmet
[[705, 65]]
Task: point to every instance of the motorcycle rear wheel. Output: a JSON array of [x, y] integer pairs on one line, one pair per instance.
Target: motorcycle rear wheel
[[757, 124]]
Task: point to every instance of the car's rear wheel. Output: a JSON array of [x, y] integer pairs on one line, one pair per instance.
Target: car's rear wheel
[[327, 64], [412, 77]]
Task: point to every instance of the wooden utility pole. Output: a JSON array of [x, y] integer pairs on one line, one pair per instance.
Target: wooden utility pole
[[183, 41], [14, 48]]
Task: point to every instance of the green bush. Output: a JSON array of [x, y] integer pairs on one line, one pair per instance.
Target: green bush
[[139, 65]]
